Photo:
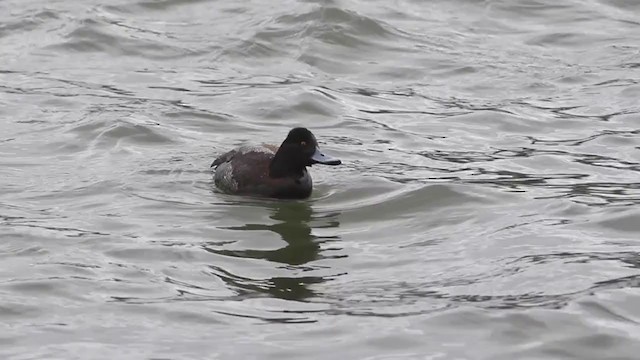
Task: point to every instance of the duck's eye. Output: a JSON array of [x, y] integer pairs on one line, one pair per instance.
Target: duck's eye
[[303, 143]]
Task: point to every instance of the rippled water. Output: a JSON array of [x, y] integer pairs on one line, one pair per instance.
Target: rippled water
[[487, 206]]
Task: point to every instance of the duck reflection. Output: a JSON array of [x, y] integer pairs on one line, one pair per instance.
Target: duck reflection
[[302, 247]]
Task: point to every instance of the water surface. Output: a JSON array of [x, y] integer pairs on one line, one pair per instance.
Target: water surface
[[486, 208]]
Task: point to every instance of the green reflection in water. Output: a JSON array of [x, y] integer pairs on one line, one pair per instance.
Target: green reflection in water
[[302, 247]]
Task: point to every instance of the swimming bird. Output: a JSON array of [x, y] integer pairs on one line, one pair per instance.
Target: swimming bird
[[271, 171]]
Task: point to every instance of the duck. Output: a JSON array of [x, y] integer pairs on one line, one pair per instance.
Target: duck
[[272, 171]]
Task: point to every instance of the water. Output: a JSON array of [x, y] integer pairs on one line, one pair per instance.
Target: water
[[486, 208]]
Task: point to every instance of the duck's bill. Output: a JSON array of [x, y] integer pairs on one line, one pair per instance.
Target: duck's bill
[[320, 158]]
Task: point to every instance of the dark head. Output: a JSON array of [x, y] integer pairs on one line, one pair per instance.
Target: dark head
[[299, 150]]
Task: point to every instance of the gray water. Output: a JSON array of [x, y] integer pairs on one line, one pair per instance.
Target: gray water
[[486, 208]]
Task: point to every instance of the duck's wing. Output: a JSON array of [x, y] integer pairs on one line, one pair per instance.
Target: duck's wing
[[268, 149], [273, 148], [226, 157]]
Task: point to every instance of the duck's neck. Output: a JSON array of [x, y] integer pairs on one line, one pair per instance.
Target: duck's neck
[[285, 166]]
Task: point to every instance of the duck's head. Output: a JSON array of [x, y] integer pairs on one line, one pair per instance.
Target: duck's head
[[298, 150]]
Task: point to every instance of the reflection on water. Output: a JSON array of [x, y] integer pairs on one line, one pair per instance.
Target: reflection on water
[[301, 249]]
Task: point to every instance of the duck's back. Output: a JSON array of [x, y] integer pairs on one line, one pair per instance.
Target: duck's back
[[245, 170]]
